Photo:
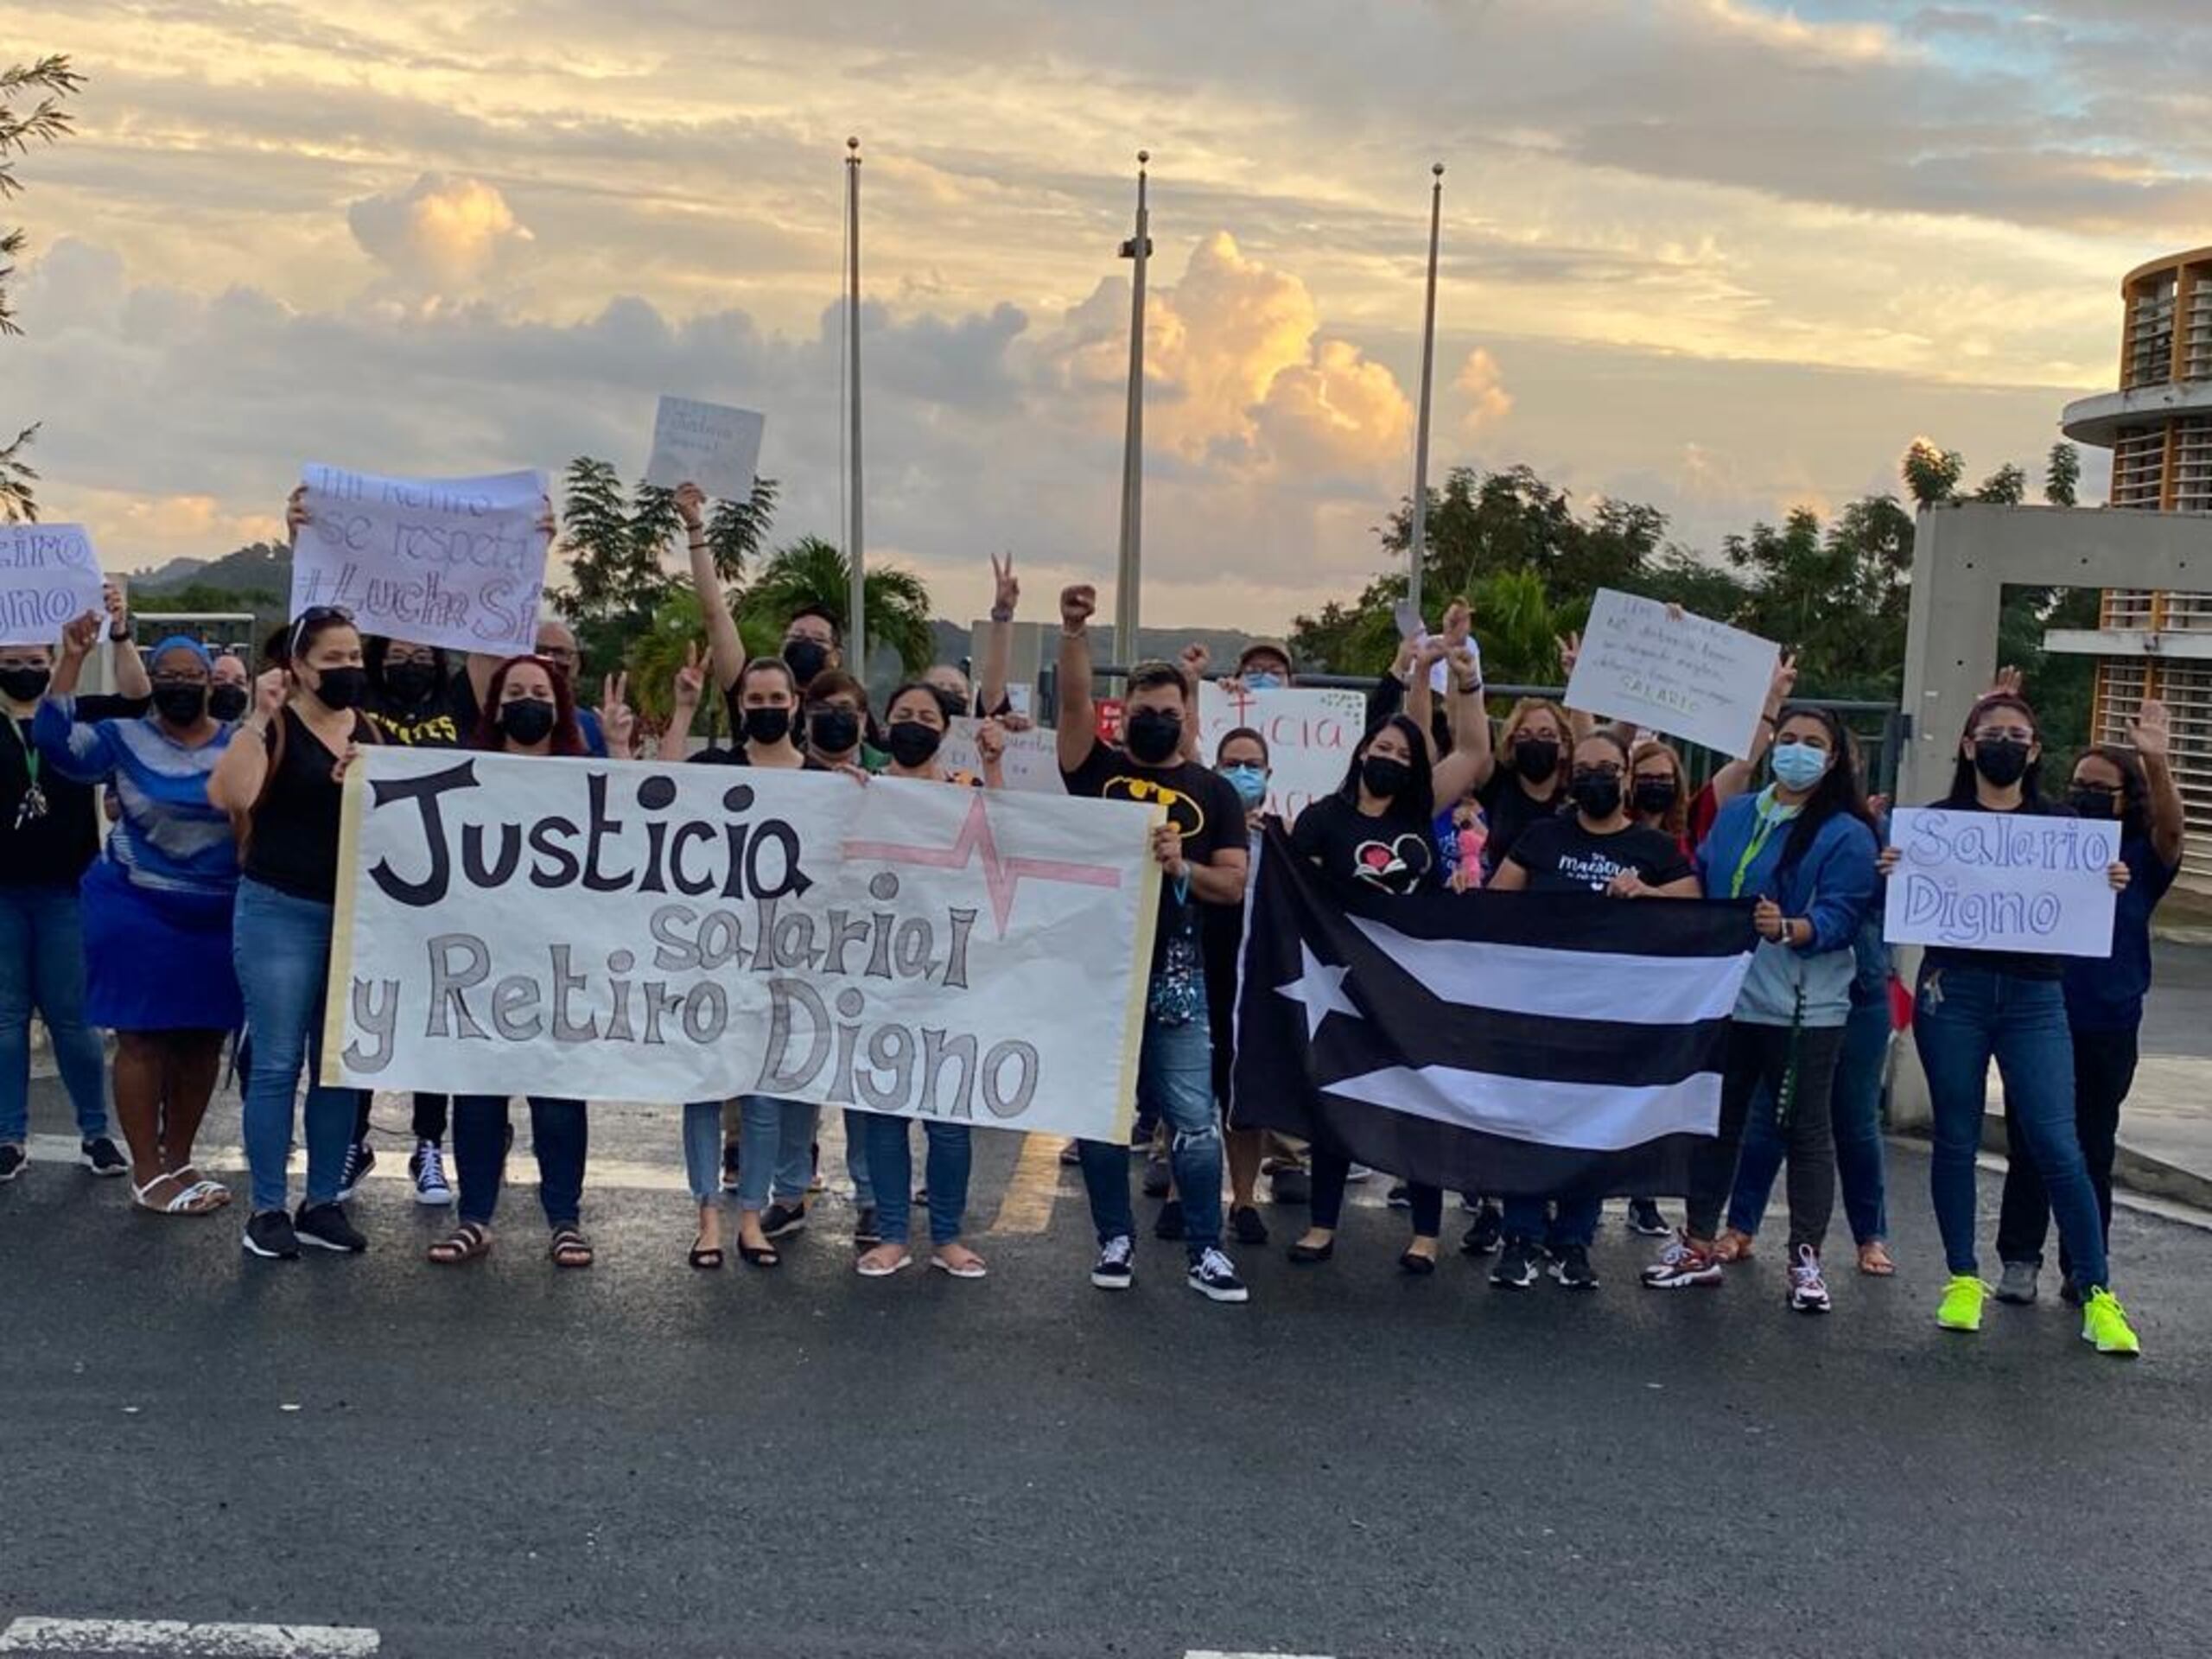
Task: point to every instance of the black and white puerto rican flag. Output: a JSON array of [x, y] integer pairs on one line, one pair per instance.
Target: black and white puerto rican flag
[[1505, 1043]]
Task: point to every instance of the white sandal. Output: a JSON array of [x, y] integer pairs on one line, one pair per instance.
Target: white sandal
[[868, 1269], [182, 1204], [970, 1269]]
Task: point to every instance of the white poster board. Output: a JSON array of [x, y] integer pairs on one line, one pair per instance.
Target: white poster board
[[451, 562], [716, 448], [1690, 678], [2001, 881], [49, 576], [668, 933], [1031, 764], [1310, 735]]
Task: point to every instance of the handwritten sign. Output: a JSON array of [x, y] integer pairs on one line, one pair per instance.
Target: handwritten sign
[[1690, 678], [706, 444], [49, 576], [451, 562], [1032, 761], [2001, 881], [664, 933], [1310, 735]]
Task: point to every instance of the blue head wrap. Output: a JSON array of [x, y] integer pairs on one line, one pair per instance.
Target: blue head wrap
[[180, 642]]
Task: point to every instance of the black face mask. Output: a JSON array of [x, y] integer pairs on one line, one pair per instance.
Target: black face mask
[[911, 742], [2002, 760], [228, 703], [1155, 735], [767, 726], [834, 731], [342, 688], [806, 659], [180, 705], [1385, 777], [410, 681], [528, 720], [25, 684], [1535, 758], [2101, 805], [952, 702], [1655, 794], [1598, 797]]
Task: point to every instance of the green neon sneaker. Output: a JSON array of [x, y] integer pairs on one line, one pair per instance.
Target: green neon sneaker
[[1960, 1309], [2104, 1322]]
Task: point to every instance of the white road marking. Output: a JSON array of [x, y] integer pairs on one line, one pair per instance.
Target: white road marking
[[178, 1640], [1212, 1653]]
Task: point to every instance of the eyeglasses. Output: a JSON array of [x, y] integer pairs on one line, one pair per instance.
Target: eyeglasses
[[1596, 774], [191, 679], [557, 653], [2004, 734]]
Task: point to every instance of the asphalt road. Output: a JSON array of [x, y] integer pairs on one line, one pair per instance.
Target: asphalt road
[[644, 1460]]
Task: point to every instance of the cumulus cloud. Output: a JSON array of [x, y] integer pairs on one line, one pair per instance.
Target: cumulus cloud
[[444, 235], [1481, 385]]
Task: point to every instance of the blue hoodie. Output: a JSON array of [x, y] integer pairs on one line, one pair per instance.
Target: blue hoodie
[[1831, 886]]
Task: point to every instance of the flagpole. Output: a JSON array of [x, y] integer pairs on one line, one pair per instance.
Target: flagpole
[[856, 608], [1137, 249], [1418, 550]]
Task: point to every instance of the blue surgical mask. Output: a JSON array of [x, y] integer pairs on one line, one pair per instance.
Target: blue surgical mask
[[1250, 784], [1263, 679], [1799, 766]]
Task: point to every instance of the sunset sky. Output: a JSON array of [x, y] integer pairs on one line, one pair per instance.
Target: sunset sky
[[1720, 255]]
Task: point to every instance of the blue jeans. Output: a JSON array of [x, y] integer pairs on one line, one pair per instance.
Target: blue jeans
[[1574, 1222], [281, 948], [703, 1148], [1964, 1017], [1854, 1113], [1175, 1082], [559, 1135], [858, 1164], [891, 1157], [42, 966], [775, 1142]]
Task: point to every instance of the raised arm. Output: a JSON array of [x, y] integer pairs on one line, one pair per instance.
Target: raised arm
[[998, 645], [1470, 764], [1194, 662], [131, 679], [724, 644], [690, 686], [235, 785], [1580, 723], [77, 640], [80, 751], [990, 751], [2152, 735], [1078, 720], [1736, 777]]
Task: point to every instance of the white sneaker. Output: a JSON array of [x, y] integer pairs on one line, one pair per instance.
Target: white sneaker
[[1808, 1291], [429, 1169]]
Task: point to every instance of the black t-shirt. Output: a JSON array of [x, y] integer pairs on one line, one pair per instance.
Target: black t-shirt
[[295, 844], [734, 755], [51, 850], [444, 719], [2021, 965], [1509, 809], [1391, 853], [1200, 803], [1561, 856]]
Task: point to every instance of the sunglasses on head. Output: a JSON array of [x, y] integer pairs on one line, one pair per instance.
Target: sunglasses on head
[[315, 616]]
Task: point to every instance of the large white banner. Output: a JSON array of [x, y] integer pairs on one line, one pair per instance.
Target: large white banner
[[2001, 881], [667, 933], [1311, 736], [450, 562], [1689, 676], [49, 576]]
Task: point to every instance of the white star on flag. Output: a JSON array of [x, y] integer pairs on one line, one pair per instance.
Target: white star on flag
[[1319, 989]]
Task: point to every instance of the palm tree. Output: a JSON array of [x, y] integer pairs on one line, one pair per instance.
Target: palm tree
[[813, 572]]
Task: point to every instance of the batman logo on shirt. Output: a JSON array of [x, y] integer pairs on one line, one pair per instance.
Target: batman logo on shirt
[[1183, 812]]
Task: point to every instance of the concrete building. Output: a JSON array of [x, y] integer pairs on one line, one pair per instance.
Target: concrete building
[[2159, 427]]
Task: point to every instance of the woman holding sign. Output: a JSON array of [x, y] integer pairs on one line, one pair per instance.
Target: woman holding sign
[[281, 782], [914, 729], [528, 710], [2104, 994], [1976, 1005]]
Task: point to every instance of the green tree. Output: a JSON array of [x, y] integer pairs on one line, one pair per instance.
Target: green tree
[[813, 572], [2005, 487], [1932, 473], [1517, 628], [2062, 475], [46, 122]]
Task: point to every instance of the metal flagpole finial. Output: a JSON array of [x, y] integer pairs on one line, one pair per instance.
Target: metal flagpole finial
[[852, 151], [1437, 169]]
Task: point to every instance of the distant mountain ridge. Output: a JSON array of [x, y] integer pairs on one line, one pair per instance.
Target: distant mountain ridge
[[262, 568]]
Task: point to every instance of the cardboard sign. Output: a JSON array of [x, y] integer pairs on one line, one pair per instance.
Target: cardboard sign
[[1032, 761], [1689, 677], [706, 444], [49, 576], [2001, 881], [1310, 735], [451, 562]]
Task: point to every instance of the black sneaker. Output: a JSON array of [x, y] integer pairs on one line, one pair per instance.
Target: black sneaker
[[12, 1160], [1645, 1219], [729, 1166], [867, 1232], [1291, 1185], [1516, 1265], [1400, 1197], [1158, 1176], [1170, 1225], [783, 1219], [360, 1159], [1072, 1154], [1244, 1222], [325, 1226], [99, 1155], [1573, 1270], [269, 1235], [1485, 1234], [1213, 1275], [1115, 1268]]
